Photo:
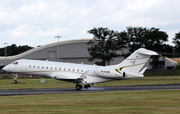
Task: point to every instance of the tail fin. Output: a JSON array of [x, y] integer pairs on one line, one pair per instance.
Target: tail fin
[[135, 62]]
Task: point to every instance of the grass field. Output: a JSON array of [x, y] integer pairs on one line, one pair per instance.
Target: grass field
[[134, 102], [51, 83]]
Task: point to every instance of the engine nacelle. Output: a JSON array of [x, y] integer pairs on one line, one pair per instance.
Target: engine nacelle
[[109, 72], [103, 72]]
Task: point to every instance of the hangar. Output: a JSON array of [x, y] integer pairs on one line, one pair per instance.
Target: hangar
[[72, 51]]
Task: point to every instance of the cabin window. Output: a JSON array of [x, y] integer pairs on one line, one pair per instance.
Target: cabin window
[[59, 68], [69, 69], [42, 67], [29, 65], [73, 70], [64, 69], [51, 68], [78, 70], [55, 68], [38, 66], [46, 67], [15, 63], [34, 66], [81, 70]]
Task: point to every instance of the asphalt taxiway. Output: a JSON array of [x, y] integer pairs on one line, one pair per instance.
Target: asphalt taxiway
[[92, 89]]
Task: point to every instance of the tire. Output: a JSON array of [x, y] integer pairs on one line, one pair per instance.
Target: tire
[[78, 87], [87, 86], [14, 81]]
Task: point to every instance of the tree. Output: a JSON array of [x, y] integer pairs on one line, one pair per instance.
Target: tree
[[152, 39], [140, 37], [176, 41], [14, 50], [135, 38], [106, 42], [103, 47]]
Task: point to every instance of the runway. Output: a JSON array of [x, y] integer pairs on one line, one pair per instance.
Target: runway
[[92, 89]]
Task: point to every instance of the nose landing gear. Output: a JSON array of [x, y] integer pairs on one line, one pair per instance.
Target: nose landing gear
[[15, 81], [15, 77]]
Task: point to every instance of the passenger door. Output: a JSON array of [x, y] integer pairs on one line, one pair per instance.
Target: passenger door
[[24, 66]]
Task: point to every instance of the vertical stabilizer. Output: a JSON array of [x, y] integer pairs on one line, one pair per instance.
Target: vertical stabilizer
[[135, 62]]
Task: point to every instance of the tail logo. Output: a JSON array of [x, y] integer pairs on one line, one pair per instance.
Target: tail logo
[[133, 62]]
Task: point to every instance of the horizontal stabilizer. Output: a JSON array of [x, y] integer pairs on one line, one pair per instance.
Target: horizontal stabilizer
[[137, 75], [147, 52]]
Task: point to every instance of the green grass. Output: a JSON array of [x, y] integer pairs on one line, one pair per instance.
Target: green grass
[[134, 102], [51, 83]]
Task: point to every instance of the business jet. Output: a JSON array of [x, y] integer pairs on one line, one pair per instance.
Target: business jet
[[131, 67]]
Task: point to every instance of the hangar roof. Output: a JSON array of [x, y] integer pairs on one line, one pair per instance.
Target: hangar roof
[[67, 49], [176, 59]]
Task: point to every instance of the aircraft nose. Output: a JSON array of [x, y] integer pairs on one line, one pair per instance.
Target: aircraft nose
[[5, 68]]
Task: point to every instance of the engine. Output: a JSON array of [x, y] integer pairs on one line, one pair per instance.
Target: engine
[[103, 72], [108, 72]]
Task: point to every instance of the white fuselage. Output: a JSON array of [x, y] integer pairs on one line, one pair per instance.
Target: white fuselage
[[65, 71], [131, 67]]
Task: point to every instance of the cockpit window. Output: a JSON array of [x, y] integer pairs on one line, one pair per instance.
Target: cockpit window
[[15, 63]]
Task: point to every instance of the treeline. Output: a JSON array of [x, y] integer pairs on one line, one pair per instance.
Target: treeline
[[103, 47], [14, 50]]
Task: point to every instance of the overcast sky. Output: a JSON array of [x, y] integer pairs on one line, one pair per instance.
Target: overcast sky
[[37, 22]]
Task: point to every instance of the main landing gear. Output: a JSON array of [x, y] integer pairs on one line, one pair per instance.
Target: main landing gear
[[15, 77], [79, 87], [86, 86]]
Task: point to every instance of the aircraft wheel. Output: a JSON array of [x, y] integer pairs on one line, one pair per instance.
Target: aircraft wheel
[[15, 81], [87, 86], [78, 87]]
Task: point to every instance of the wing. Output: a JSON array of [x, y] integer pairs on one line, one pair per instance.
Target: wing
[[69, 76], [83, 78]]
